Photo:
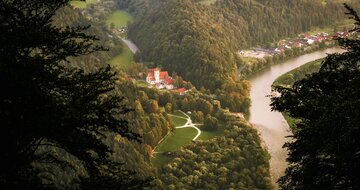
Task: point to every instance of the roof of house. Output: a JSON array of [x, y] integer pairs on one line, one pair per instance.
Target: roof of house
[[164, 75], [180, 90], [169, 81]]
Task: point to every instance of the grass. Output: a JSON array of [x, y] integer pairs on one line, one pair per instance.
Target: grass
[[179, 113], [142, 84], [316, 30], [177, 139], [120, 18], [123, 60], [178, 121], [207, 135], [82, 4], [174, 141]]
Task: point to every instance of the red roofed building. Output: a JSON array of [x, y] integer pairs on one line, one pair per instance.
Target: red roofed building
[[160, 78], [181, 91]]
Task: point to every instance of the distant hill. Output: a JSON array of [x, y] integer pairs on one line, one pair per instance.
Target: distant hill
[[198, 41]]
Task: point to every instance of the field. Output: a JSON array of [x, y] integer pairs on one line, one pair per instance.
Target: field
[[207, 135], [123, 60], [120, 18], [173, 142], [179, 138], [82, 4]]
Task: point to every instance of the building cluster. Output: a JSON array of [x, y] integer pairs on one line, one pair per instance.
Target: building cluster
[[160, 79], [303, 41]]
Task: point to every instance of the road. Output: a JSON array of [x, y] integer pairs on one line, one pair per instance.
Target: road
[[133, 48]]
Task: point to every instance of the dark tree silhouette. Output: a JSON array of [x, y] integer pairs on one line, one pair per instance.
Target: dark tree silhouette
[[43, 102], [324, 151]]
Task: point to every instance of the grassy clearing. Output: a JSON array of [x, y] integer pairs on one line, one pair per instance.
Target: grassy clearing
[[142, 84], [207, 135], [123, 60], [119, 18], [82, 4], [177, 139], [178, 121], [179, 113], [316, 30]]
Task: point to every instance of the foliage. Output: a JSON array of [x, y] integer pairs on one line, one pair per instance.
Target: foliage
[[119, 18], [199, 42], [324, 152], [47, 104], [233, 161], [297, 74]]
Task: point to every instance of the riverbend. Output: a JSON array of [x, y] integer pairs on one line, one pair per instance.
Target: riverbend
[[272, 126]]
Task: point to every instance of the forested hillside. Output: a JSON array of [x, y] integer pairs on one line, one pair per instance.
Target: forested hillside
[[198, 41], [68, 16]]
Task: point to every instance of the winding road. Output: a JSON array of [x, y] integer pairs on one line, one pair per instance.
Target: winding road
[[133, 48], [188, 124]]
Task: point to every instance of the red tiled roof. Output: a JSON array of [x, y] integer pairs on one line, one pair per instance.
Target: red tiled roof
[[164, 75], [180, 90], [169, 81], [151, 75]]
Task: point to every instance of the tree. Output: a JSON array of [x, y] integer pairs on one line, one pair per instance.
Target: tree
[[45, 103], [325, 145], [210, 123]]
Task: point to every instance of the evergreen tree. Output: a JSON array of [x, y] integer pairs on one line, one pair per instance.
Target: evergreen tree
[[44, 103], [324, 152]]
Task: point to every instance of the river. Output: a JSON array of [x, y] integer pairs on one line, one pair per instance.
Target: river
[[272, 126]]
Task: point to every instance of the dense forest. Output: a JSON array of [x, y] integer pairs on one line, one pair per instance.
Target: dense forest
[[199, 42], [233, 161], [324, 150], [68, 16], [111, 124], [289, 78]]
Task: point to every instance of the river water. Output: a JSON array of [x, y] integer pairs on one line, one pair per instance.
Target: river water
[[272, 126]]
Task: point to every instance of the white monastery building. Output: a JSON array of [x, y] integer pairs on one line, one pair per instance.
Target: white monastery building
[[160, 79]]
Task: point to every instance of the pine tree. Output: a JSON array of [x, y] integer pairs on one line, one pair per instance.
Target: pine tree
[[324, 152], [45, 103]]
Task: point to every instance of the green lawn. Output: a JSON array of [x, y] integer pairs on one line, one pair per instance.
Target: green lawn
[[207, 135], [177, 139], [123, 60], [120, 18], [82, 4], [178, 121], [316, 30], [142, 84], [179, 113], [174, 141]]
